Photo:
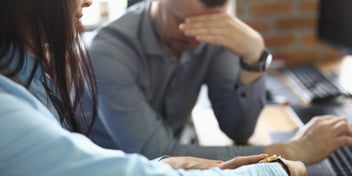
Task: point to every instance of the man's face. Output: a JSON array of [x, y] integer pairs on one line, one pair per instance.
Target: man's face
[[172, 13]]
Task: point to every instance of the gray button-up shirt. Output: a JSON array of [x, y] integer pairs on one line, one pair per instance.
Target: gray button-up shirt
[[146, 96]]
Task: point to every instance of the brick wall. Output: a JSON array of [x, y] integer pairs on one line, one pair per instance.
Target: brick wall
[[288, 28]]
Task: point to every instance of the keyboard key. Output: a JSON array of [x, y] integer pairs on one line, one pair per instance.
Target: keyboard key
[[312, 84]]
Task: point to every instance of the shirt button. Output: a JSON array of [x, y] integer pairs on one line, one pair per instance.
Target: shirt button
[[243, 95]]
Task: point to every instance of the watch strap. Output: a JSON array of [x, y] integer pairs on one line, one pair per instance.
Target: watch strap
[[284, 165], [259, 66]]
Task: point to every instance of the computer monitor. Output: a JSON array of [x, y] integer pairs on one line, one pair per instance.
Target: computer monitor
[[335, 24]]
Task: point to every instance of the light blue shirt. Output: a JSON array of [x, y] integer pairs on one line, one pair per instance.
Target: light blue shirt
[[32, 143]]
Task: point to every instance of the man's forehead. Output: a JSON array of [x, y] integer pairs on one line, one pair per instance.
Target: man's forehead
[[187, 8]]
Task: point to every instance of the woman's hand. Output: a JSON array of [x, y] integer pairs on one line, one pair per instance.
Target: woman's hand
[[185, 162]]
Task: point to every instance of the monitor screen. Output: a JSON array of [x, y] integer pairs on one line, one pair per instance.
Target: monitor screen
[[335, 24]]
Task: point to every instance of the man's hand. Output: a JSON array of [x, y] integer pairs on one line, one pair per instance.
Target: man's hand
[[320, 137], [228, 31], [200, 163], [317, 140]]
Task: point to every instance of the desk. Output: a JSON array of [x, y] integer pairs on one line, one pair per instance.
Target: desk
[[273, 118]]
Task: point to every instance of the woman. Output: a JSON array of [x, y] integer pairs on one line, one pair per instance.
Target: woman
[[41, 55]]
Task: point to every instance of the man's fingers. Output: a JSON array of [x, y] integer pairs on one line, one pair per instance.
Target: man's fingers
[[205, 24], [204, 31], [341, 126], [321, 118], [207, 17], [213, 39], [344, 141]]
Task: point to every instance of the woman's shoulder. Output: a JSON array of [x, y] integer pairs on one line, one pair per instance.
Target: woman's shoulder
[[14, 97]]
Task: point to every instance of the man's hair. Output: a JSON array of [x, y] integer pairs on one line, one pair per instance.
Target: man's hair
[[213, 3]]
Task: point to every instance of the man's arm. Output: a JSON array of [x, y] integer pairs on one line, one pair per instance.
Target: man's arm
[[236, 105]]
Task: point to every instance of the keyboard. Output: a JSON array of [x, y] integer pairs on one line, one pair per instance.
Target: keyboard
[[312, 85], [341, 160]]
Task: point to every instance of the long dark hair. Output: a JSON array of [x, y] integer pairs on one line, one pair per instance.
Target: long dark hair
[[50, 30]]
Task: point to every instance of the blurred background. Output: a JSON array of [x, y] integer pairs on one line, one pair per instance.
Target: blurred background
[[288, 26]]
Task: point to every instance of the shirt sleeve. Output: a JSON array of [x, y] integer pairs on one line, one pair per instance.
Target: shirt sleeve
[[128, 118], [236, 106], [33, 143]]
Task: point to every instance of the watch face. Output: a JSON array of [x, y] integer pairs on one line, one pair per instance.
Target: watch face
[[279, 159], [268, 60], [262, 65], [270, 158]]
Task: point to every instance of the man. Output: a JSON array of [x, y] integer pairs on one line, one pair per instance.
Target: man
[[151, 63]]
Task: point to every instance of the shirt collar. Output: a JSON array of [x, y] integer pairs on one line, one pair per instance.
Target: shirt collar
[[148, 36], [26, 70]]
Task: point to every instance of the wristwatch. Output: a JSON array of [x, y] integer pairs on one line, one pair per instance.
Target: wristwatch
[[279, 159], [261, 66]]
